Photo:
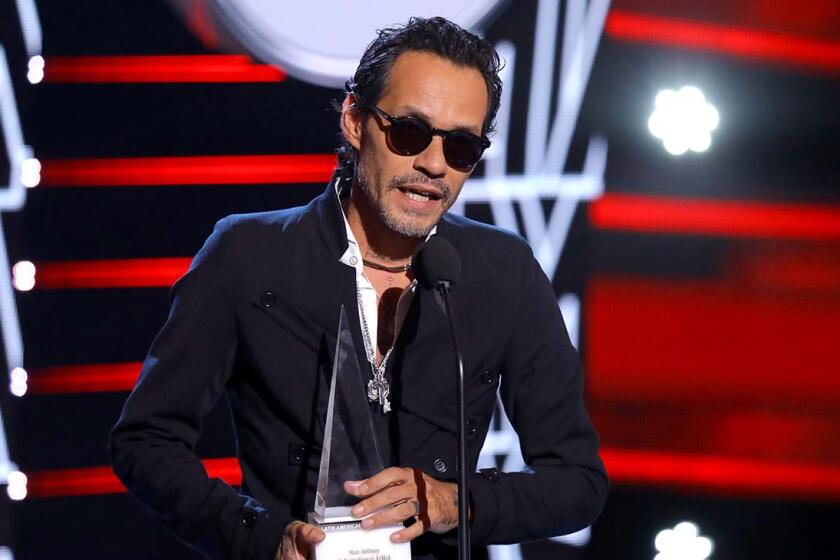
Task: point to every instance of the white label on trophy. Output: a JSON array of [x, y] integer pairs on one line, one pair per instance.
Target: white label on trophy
[[347, 541]]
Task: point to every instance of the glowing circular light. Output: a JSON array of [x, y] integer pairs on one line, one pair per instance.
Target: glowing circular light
[[16, 488], [18, 382], [656, 124], [676, 144], [683, 542], [701, 142], [683, 120], [6, 553], [710, 116], [35, 71], [23, 276], [691, 95], [30, 172], [665, 99]]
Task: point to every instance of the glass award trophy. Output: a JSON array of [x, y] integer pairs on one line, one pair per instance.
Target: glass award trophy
[[350, 452]]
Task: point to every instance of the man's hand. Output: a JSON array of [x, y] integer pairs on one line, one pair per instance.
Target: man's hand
[[406, 493], [297, 541]]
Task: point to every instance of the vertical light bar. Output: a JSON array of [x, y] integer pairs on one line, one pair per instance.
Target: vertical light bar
[[573, 83], [539, 97], [31, 26], [496, 165], [12, 197], [582, 32], [6, 464], [539, 100]]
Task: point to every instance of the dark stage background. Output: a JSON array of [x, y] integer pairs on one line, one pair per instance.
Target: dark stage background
[[703, 289]]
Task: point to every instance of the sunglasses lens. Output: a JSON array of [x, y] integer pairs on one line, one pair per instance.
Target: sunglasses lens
[[462, 150], [409, 136]]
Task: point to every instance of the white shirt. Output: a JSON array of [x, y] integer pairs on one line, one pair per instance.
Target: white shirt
[[369, 297]]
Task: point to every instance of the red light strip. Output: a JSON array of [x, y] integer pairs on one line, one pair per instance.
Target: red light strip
[[711, 340], [723, 475], [715, 217], [121, 273], [749, 43], [159, 69], [191, 170], [814, 269], [711, 474], [89, 378], [102, 480]]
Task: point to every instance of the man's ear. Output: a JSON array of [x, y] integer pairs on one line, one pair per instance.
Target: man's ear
[[351, 121]]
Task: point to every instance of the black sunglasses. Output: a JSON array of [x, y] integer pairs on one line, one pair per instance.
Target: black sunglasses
[[408, 136]]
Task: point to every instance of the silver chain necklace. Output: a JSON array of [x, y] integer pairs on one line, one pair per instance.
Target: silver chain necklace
[[378, 389]]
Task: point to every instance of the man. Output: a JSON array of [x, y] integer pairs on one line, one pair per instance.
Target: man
[[255, 319]]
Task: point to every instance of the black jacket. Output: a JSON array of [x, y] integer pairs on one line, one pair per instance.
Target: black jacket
[[255, 319]]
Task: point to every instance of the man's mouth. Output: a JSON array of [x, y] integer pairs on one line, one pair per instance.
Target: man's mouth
[[419, 194]]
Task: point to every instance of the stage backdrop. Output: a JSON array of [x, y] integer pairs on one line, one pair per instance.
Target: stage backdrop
[[674, 166]]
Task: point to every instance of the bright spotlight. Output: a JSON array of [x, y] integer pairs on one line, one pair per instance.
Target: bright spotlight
[[683, 120], [23, 276], [16, 485], [30, 172], [35, 71], [18, 382], [683, 542]]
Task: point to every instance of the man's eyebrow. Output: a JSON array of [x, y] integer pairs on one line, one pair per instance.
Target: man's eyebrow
[[412, 111]]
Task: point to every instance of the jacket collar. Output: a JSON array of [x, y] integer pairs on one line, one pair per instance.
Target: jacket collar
[[331, 218]]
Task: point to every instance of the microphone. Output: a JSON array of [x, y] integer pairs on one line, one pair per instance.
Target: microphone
[[438, 266], [436, 261]]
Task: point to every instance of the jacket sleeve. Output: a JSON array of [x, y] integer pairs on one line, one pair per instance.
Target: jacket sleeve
[[183, 377], [542, 391]]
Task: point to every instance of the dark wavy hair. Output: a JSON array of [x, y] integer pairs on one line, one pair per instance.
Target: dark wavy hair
[[434, 35]]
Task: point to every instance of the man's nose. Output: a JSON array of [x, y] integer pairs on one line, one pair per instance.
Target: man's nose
[[431, 161]]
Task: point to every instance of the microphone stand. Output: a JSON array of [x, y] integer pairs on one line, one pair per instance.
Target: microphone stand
[[463, 490]]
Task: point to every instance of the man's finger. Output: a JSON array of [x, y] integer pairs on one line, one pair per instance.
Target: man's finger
[[388, 497], [312, 534], [391, 516], [299, 539], [352, 486], [383, 479], [409, 533]]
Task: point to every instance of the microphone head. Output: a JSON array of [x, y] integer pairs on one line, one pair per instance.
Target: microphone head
[[436, 261]]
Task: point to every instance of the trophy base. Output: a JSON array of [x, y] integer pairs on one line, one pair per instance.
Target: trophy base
[[346, 540]]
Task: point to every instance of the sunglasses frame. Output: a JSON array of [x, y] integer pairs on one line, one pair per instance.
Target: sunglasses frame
[[481, 141]]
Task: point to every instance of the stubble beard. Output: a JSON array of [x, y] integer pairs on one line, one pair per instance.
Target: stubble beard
[[372, 186]]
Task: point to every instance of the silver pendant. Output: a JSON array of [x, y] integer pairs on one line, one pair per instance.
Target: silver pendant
[[378, 391]]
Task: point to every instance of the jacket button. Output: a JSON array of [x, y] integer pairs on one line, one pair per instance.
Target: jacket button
[[487, 377], [296, 454], [267, 299], [249, 519], [440, 465], [471, 427]]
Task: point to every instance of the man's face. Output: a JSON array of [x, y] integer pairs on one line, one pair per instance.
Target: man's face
[[410, 193]]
